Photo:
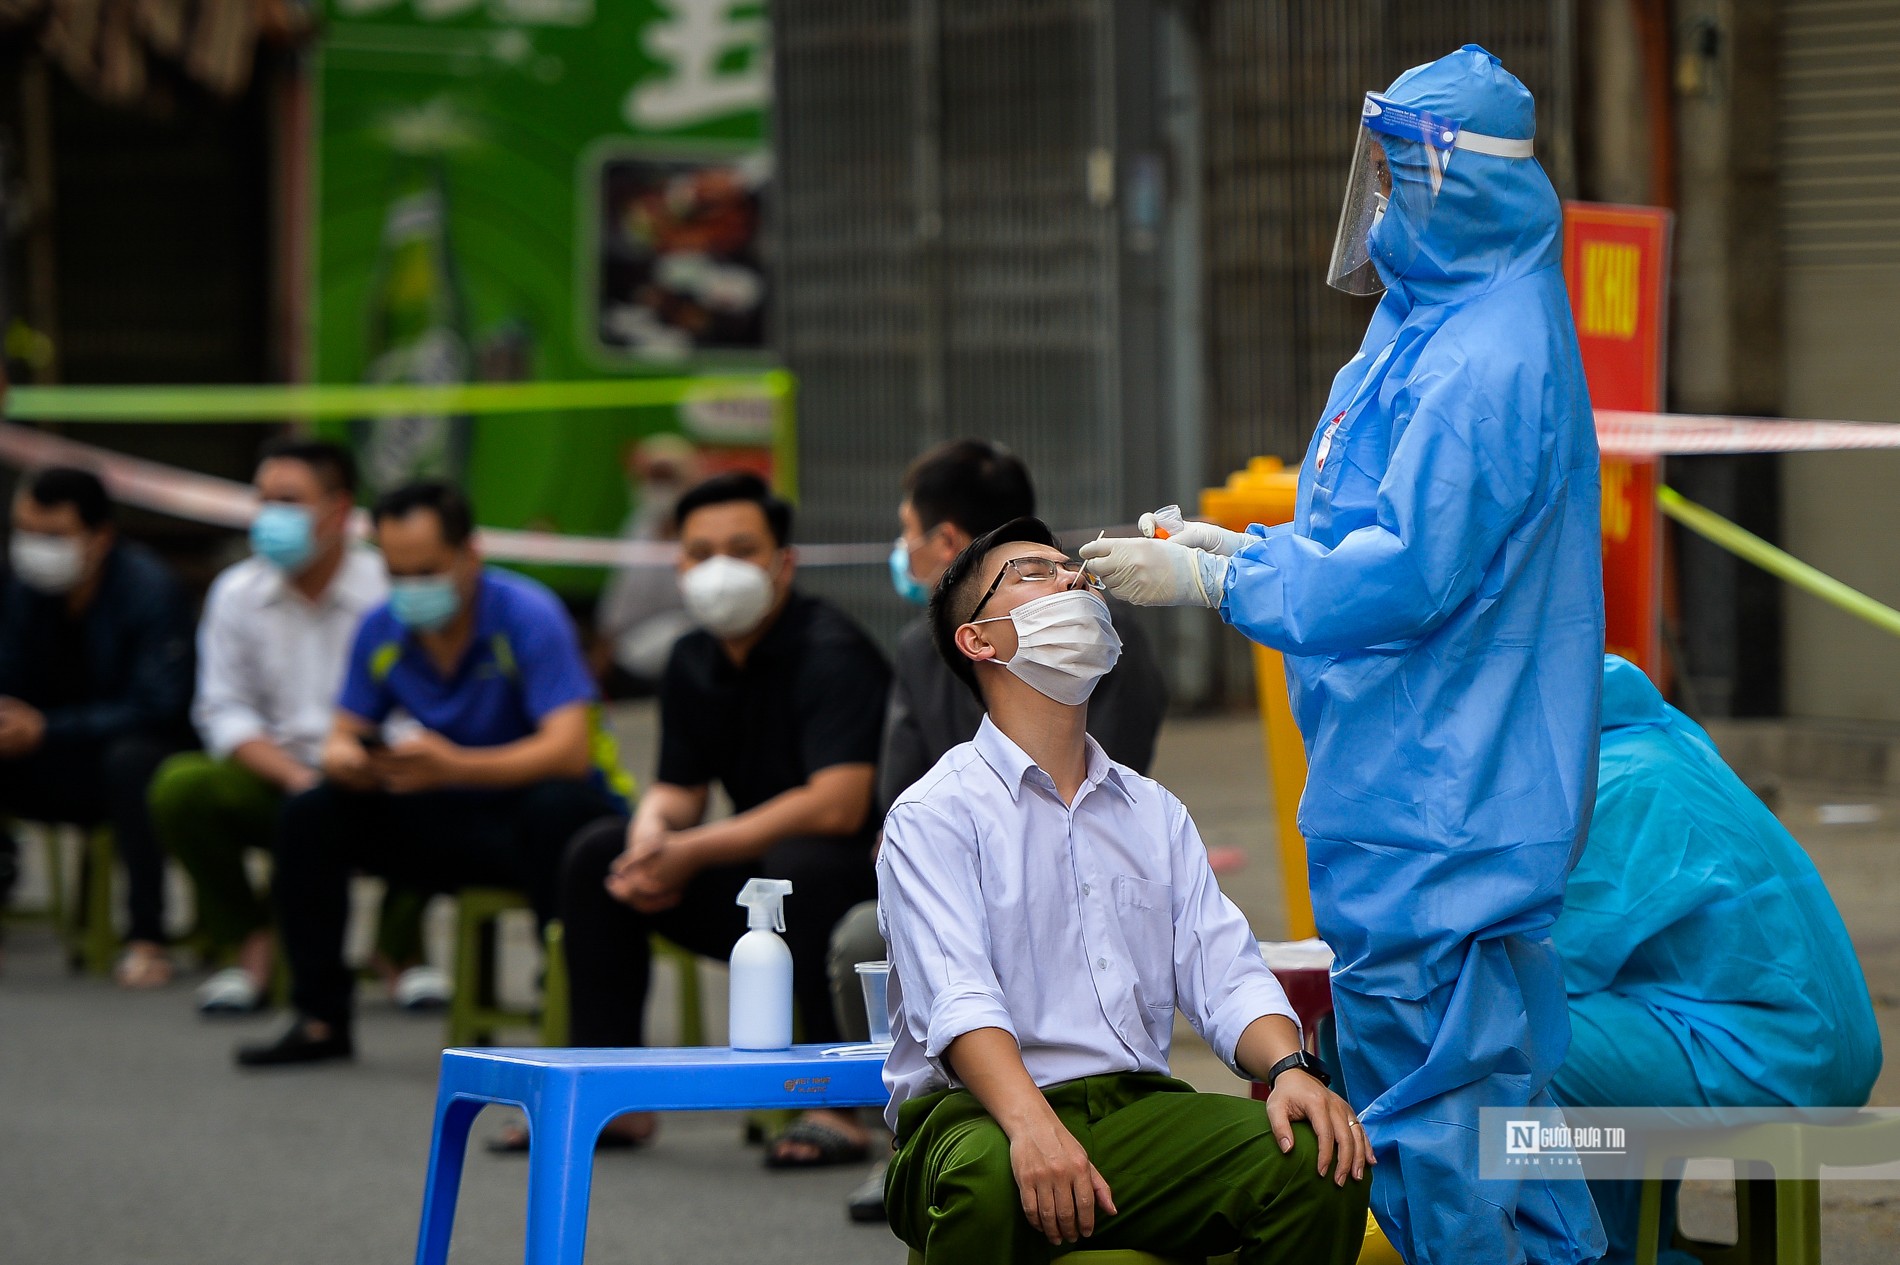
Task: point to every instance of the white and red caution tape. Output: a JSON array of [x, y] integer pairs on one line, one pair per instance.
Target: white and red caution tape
[[206, 498], [225, 503], [1683, 434]]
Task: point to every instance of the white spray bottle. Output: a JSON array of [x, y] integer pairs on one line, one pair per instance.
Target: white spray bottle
[[761, 985]]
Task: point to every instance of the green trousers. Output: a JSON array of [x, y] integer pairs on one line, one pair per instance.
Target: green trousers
[[1192, 1174], [207, 813]]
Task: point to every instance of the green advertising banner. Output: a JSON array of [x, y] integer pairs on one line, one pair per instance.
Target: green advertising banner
[[542, 190]]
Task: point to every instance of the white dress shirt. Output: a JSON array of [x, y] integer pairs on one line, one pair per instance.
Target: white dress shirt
[[1076, 928], [270, 662]]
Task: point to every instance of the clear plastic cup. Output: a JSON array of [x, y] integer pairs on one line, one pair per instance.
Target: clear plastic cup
[[876, 979]]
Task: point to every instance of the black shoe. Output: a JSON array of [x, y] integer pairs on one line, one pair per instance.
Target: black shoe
[[866, 1203], [298, 1046]]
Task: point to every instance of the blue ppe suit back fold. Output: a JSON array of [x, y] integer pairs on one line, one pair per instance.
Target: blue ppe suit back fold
[[1439, 598]]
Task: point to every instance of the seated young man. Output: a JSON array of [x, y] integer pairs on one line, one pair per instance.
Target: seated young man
[[1047, 910], [95, 686], [778, 697], [489, 775], [1705, 961], [272, 643]]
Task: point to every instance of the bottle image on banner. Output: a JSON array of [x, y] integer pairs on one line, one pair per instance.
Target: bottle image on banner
[[418, 336]]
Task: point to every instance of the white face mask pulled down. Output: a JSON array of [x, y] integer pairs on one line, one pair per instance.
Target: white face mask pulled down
[[1065, 644], [727, 597]]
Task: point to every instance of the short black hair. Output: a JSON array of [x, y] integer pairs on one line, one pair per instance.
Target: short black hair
[[440, 497], [54, 486], [962, 587], [973, 483], [331, 462], [738, 485]]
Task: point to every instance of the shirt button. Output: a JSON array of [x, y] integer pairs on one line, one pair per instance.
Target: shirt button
[[1085, 889], [1101, 964]]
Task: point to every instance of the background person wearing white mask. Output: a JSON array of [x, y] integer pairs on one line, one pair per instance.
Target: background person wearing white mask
[[95, 682], [779, 698], [272, 643]]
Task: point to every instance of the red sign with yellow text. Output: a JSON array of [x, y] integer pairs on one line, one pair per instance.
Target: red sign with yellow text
[[1616, 262]]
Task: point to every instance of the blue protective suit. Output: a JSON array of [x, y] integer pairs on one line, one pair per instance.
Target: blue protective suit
[[1705, 961], [1439, 599]]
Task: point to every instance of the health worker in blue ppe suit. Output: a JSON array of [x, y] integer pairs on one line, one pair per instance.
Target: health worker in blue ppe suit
[[1706, 964], [1439, 599]]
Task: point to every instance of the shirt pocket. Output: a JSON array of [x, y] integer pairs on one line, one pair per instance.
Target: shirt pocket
[[1144, 911]]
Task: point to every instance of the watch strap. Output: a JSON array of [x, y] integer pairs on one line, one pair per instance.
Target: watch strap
[[1304, 1062]]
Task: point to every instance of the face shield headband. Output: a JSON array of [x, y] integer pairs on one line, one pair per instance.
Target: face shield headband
[[1398, 167]]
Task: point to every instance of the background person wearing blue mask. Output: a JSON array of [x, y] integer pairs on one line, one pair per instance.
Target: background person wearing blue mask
[[500, 760], [1706, 963], [1439, 599], [272, 643]]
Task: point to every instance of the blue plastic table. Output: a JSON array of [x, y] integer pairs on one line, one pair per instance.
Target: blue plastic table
[[570, 1095]]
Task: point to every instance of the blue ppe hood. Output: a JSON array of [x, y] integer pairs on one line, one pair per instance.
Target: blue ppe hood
[[1491, 219]]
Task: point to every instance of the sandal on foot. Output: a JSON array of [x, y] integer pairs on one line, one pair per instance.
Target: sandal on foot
[[143, 966], [514, 1141], [832, 1145]]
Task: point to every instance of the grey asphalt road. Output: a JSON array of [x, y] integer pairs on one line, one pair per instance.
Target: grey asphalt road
[[127, 1138]]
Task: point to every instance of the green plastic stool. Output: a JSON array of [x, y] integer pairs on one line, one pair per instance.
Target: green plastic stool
[[554, 1008], [83, 917], [1778, 1222], [1377, 1251], [474, 1012]]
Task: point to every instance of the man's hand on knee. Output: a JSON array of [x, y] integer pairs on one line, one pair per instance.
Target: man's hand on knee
[[1343, 1147], [1061, 1190]]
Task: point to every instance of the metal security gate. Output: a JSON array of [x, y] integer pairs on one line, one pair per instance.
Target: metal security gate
[[956, 252], [1282, 82], [1839, 168]]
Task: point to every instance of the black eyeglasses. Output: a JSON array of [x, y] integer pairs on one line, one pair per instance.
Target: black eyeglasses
[[1037, 571]]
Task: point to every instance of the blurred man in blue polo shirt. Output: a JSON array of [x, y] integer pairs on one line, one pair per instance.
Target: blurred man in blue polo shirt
[[481, 782]]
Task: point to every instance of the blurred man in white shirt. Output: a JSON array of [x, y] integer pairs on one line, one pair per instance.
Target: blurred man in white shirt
[[272, 644]]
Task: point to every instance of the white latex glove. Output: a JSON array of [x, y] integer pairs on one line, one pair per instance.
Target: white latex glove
[[1158, 572], [1200, 536]]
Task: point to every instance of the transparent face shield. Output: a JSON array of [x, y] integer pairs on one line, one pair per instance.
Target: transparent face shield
[[1398, 167]]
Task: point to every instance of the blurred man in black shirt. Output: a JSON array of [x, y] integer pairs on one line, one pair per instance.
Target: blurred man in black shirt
[[95, 686], [779, 698]]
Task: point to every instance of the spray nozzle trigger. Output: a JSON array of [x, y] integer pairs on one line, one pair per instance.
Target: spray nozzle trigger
[[764, 899]]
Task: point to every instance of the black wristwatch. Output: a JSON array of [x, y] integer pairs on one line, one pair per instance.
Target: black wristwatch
[[1302, 1060]]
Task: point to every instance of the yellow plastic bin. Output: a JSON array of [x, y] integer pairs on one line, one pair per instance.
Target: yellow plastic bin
[[1263, 493]]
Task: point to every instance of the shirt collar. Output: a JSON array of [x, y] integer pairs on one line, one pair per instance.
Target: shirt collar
[[1012, 764], [360, 578], [275, 585], [357, 579]]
